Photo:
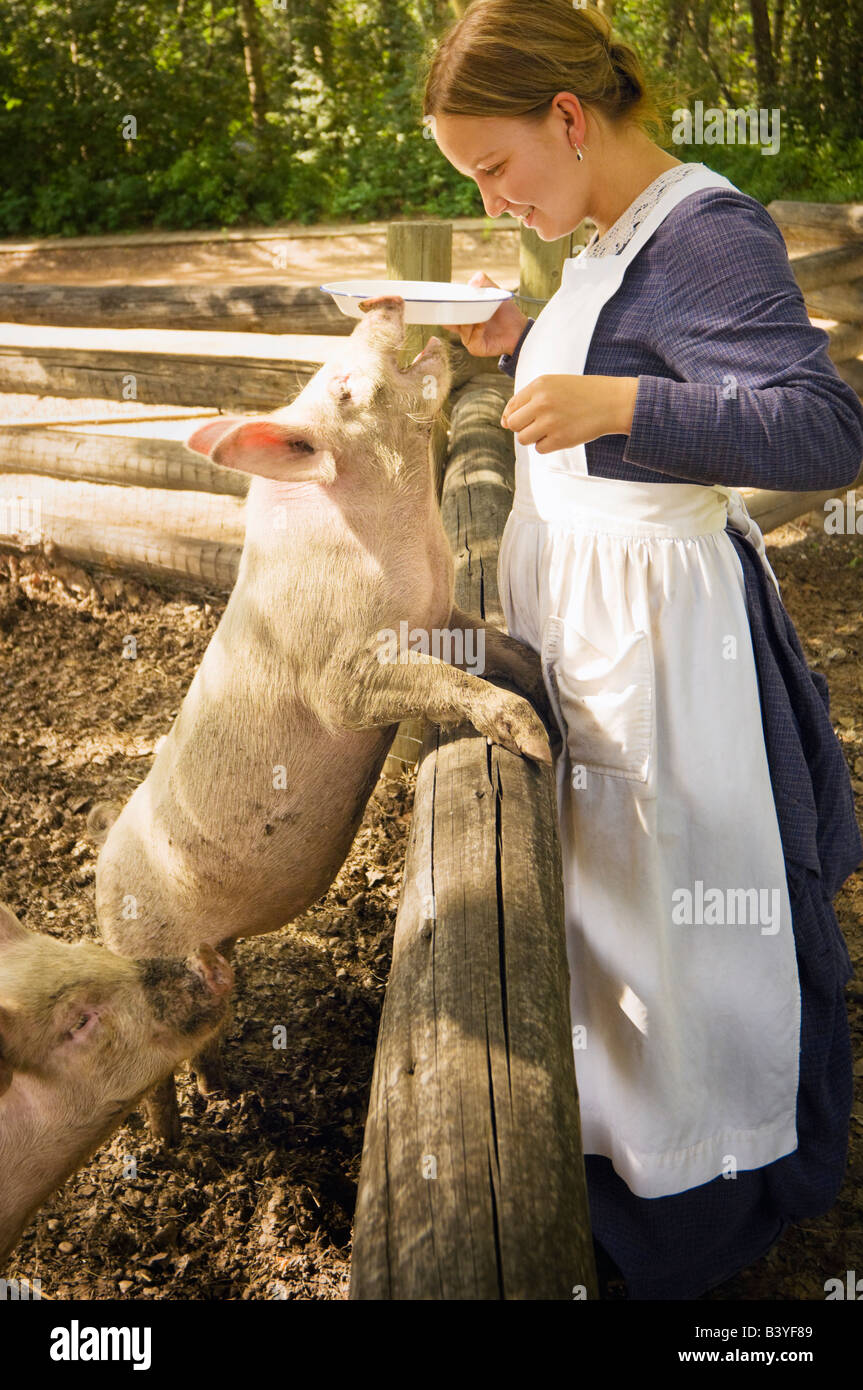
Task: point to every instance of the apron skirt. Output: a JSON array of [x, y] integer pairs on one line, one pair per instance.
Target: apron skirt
[[678, 1247]]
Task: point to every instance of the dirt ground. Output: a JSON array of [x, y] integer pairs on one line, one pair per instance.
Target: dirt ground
[[296, 260], [257, 1202]]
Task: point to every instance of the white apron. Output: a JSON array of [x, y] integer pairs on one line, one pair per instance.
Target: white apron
[[685, 1000]]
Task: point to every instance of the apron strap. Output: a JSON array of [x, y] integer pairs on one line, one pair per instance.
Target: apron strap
[[741, 521]]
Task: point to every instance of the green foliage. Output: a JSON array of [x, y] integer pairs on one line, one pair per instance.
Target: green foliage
[[338, 132], [823, 169]]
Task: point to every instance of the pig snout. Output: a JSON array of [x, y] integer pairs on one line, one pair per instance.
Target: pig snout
[[384, 325], [187, 996], [385, 317], [383, 301], [388, 306], [383, 321]]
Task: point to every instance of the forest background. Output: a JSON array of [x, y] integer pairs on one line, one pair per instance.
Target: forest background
[[131, 114]]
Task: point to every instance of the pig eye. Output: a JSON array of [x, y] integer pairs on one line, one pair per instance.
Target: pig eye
[[340, 388], [83, 1025], [354, 387]]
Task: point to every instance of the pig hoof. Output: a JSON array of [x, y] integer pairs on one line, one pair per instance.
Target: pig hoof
[[211, 1081], [516, 726], [536, 746]]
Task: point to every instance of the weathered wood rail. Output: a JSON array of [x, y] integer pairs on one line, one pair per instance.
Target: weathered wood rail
[[164, 367], [838, 219], [127, 460], [257, 372], [263, 308]]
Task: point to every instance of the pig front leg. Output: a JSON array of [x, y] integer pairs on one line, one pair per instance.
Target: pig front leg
[[368, 692], [507, 659], [163, 1113]]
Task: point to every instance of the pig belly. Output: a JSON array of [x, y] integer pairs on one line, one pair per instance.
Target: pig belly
[[242, 862]]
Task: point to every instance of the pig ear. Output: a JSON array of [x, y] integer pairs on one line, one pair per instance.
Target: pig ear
[[204, 439], [10, 928], [274, 451]]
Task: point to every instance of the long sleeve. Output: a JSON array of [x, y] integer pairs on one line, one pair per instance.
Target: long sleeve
[[751, 397], [508, 360]]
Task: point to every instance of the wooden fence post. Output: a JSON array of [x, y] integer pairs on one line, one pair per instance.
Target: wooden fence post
[[540, 266], [418, 251]]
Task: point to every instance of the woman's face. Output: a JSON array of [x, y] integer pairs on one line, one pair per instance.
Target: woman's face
[[529, 170]]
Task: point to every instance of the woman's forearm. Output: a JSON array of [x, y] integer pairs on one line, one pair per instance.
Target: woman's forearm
[[805, 437]]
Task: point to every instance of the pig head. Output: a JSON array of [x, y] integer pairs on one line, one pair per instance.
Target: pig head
[[362, 418], [83, 1034]]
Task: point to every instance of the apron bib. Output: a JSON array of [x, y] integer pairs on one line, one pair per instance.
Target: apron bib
[[684, 992]]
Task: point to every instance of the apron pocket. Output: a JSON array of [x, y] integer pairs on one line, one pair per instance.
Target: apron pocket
[[603, 700]]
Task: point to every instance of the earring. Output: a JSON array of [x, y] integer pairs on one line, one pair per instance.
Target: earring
[[578, 153]]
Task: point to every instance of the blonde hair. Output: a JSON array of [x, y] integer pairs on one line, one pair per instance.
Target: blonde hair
[[512, 57]]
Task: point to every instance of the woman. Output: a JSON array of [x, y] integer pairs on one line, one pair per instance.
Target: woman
[[705, 807]]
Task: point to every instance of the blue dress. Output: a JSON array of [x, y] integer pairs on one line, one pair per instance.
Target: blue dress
[[710, 307]]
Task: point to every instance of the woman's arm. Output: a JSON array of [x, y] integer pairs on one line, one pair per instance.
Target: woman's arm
[[757, 401]]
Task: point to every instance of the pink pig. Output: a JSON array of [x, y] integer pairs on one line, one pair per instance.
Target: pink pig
[[255, 797]]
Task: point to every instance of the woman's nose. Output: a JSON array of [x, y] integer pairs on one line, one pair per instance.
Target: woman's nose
[[493, 206]]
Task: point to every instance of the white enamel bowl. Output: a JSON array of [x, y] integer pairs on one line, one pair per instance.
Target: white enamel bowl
[[426, 301]]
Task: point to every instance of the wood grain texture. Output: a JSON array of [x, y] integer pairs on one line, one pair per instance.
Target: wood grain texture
[[162, 535], [839, 219], [243, 308], [418, 251], [828, 267], [128, 460], [156, 378]]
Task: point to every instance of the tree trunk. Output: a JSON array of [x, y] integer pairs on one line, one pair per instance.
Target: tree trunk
[[247, 18], [778, 30], [765, 66], [675, 25], [708, 58]]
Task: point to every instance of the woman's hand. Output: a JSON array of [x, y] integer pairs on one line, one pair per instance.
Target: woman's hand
[[498, 334], [559, 412]]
